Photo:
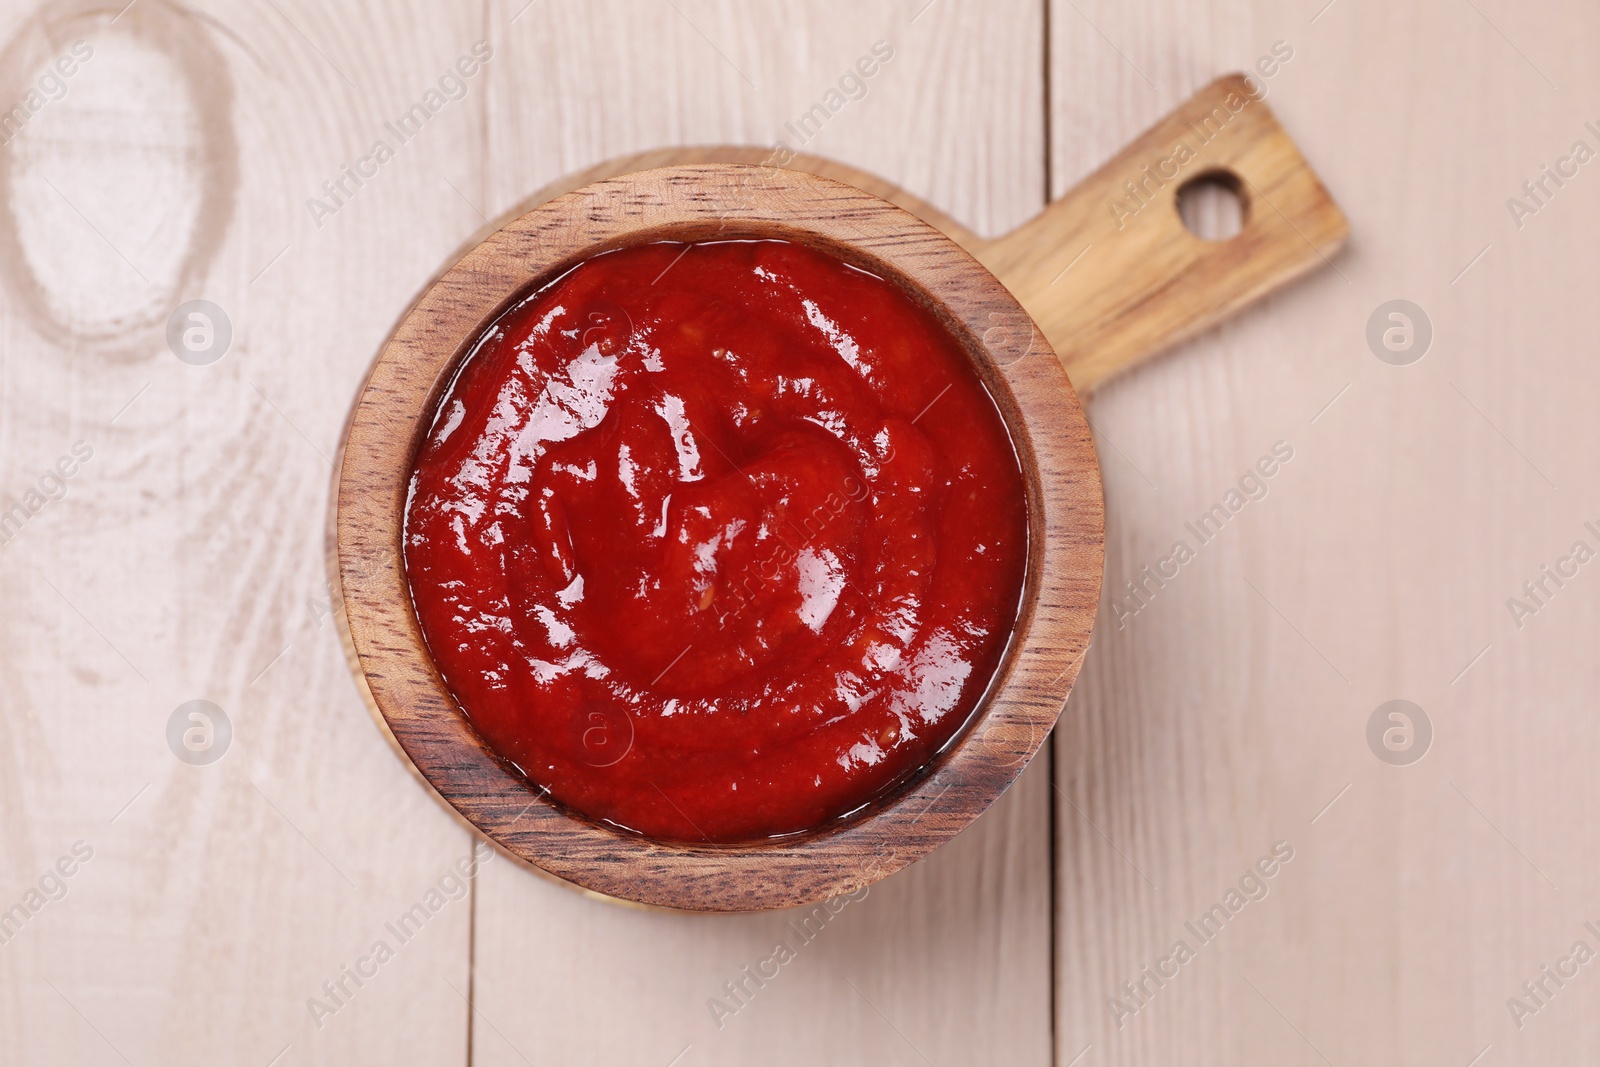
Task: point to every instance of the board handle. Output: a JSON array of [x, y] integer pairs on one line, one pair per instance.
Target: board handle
[[1112, 275]]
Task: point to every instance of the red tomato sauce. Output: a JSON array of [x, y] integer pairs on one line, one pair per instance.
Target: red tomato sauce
[[717, 542]]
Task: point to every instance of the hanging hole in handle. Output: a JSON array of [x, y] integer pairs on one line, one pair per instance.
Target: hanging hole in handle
[[1213, 205]]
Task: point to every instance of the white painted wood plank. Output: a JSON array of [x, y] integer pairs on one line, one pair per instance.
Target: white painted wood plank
[[1229, 712], [186, 560], [949, 961]]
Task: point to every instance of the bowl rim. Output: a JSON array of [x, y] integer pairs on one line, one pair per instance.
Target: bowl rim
[[700, 202]]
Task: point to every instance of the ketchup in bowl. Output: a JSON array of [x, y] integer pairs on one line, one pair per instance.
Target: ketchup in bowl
[[717, 542]]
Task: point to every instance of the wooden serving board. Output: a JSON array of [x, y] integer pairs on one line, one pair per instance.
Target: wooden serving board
[[1153, 282]]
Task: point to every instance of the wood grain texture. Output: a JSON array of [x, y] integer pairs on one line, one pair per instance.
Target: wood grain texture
[[1144, 281], [1202, 731], [688, 203], [1232, 709], [953, 951], [185, 560], [1157, 284]]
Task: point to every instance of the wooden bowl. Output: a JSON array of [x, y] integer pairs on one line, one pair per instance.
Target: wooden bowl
[[1012, 355]]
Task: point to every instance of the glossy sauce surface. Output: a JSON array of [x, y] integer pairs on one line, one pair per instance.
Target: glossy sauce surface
[[717, 542]]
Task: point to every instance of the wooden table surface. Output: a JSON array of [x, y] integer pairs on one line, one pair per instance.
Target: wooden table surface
[[224, 912]]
